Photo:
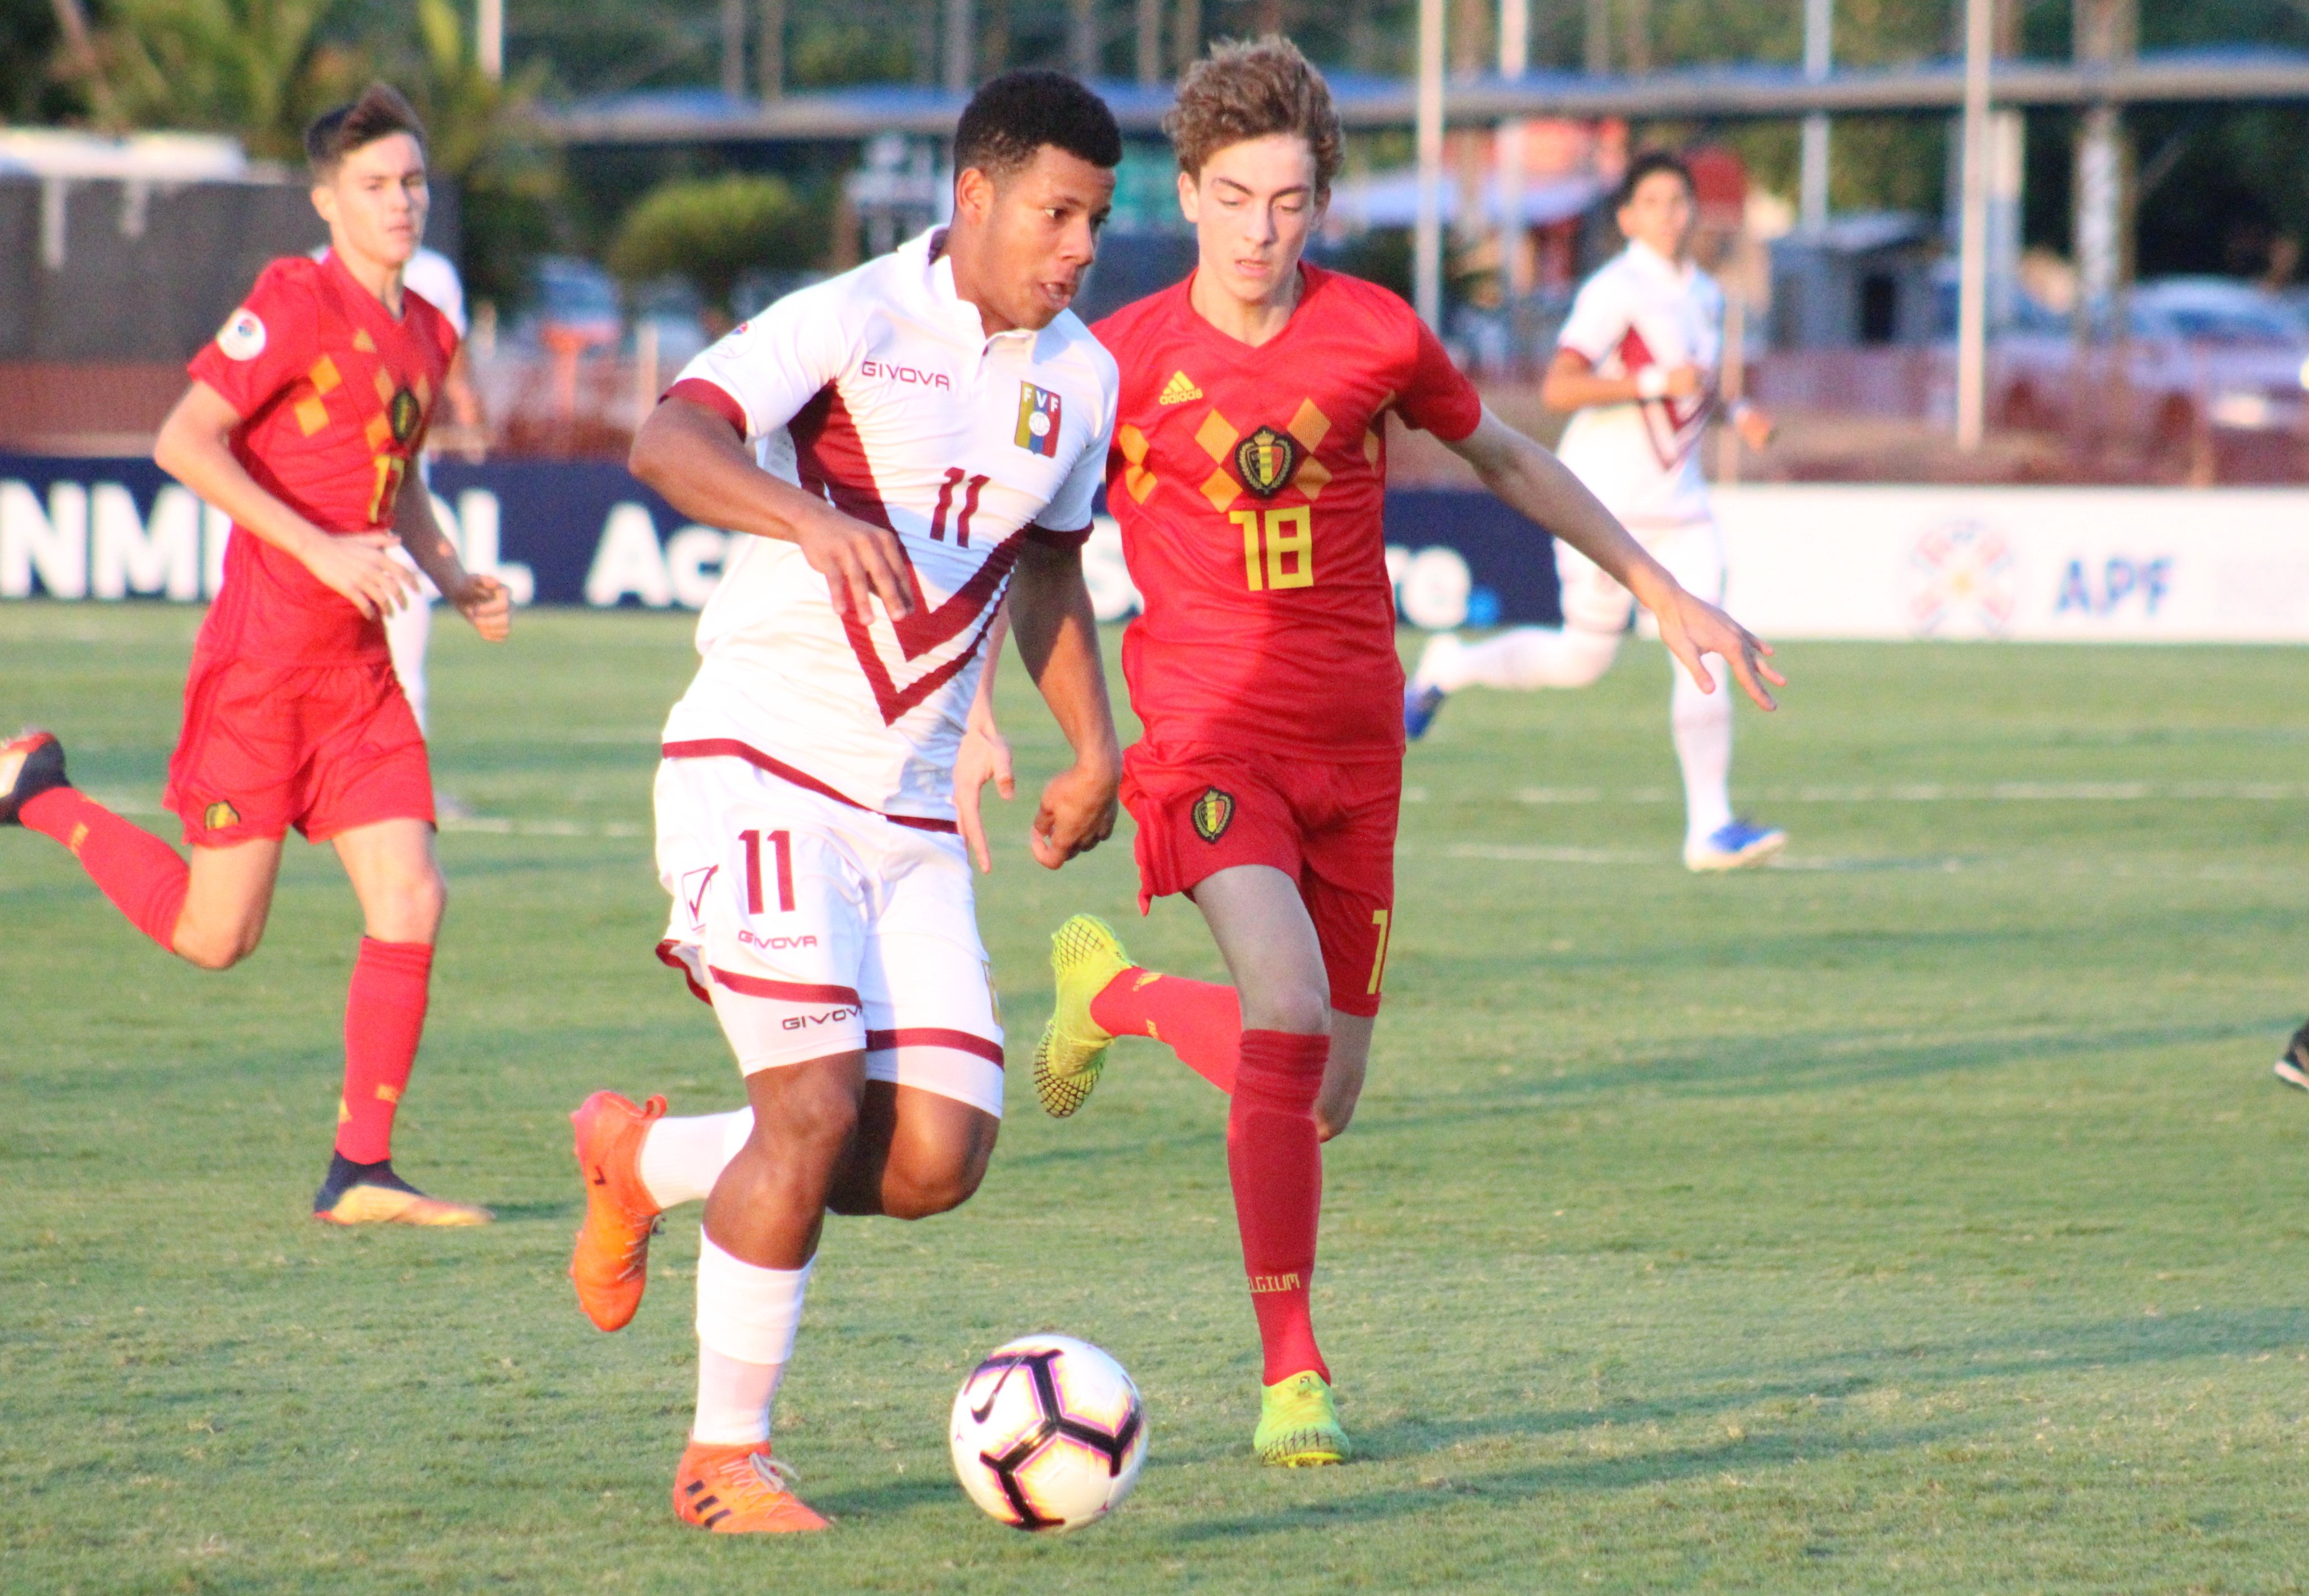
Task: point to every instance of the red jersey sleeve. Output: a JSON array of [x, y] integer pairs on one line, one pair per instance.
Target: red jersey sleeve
[[1437, 397], [263, 346]]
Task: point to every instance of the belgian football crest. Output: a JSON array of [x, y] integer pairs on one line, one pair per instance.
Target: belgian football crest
[[1213, 813], [1266, 461], [1038, 421], [405, 413], [218, 816]]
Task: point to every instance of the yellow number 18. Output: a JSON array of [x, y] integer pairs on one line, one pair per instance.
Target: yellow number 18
[[1278, 549]]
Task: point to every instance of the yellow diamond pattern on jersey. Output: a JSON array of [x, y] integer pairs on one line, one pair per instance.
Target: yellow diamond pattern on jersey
[[1179, 389], [311, 414], [1217, 435], [323, 375], [1222, 489], [1138, 481], [1309, 425], [363, 341], [379, 432], [383, 386]]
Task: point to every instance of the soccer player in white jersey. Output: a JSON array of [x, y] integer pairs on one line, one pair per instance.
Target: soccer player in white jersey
[[899, 447], [1636, 364]]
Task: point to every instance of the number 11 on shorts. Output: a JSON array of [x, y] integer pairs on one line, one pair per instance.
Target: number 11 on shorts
[[780, 844], [1379, 963]]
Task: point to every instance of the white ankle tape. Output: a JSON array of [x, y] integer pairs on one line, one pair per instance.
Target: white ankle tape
[[745, 1311]]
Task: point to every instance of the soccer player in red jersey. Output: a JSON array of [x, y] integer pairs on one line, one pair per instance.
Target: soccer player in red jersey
[[1248, 471], [302, 422]]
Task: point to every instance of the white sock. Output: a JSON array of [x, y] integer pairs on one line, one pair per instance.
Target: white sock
[[746, 1317], [1701, 725], [681, 1159], [1525, 656]]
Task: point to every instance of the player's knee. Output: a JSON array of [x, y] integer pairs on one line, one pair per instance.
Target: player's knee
[[1298, 1009], [921, 1195], [212, 946], [209, 950], [411, 905], [809, 1128]]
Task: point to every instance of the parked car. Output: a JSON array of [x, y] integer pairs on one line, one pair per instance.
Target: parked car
[[2200, 352]]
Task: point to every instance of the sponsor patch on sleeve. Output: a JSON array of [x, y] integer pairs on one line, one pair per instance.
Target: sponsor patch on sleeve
[[242, 338]]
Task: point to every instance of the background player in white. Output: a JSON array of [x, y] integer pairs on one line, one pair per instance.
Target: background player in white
[[901, 445], [1636, 363]]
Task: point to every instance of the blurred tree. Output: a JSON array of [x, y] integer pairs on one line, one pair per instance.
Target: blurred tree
[[257, 68], [711, 230], [508, 183]]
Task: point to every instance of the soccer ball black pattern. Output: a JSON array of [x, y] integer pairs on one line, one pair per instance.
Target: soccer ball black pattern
[[1048, 1433]]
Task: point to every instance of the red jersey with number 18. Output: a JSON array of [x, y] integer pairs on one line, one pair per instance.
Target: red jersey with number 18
[[1249, 483], [333, 395]]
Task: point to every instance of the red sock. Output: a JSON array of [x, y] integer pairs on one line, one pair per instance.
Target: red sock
[[141, 874], [384, 1015], [1200, 1020], [1276, 1167]]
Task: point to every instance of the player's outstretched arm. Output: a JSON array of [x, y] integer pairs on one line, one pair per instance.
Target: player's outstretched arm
[[196, 447], [1572, 383], [697, 462], [1058, 638], [483, 600], [985, 753], [1530, 479]]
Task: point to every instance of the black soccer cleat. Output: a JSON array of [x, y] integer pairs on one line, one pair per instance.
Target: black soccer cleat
[[2293, 1064], [31, 762]]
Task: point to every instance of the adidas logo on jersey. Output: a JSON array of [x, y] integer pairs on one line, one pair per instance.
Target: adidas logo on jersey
[[1179, 389]]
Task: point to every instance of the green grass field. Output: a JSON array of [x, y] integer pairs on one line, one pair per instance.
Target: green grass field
[[1920, 1216]]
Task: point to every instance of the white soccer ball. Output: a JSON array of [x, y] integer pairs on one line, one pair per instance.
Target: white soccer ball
[[1048, 1433]]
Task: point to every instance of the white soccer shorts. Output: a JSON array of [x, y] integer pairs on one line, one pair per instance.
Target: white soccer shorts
[[815, 929], [1692, 551]]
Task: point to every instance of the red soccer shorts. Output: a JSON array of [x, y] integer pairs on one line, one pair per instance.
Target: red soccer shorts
[[322, 747], [1329, 826]]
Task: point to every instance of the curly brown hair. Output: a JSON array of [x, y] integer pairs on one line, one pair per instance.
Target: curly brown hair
[[1251, 89]]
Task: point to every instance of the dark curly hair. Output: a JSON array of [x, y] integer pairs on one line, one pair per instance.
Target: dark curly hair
[[1249, 89], [1016, 114]]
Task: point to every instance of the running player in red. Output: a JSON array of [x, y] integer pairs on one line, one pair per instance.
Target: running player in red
[[303, 419], [1248, 470]]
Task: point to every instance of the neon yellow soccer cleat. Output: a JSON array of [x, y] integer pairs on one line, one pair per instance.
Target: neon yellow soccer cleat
[[1299, 1425], [1085, 954]]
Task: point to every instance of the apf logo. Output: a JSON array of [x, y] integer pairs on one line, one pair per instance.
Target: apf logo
[[2120, 579], [1962, 582]]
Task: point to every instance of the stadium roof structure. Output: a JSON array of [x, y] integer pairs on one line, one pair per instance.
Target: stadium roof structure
[[704, 116]]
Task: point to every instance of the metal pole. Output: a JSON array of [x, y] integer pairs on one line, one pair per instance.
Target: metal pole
[[1082, 37], [733, 48], [770, 65], [488, 38], [1972, 259], [1427, 239], [1150, 42], [1812, 187], [1515, 60], [961, 37]]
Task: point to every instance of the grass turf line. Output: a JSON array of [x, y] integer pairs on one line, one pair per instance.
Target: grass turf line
[[1922, 1219]]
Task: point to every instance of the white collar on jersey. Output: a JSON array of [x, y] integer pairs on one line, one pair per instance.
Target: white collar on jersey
[[1648, 259], [937, 278]]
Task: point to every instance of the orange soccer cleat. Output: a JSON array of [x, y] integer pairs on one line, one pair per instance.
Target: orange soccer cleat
[[610, 1264], [738, 1490]]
